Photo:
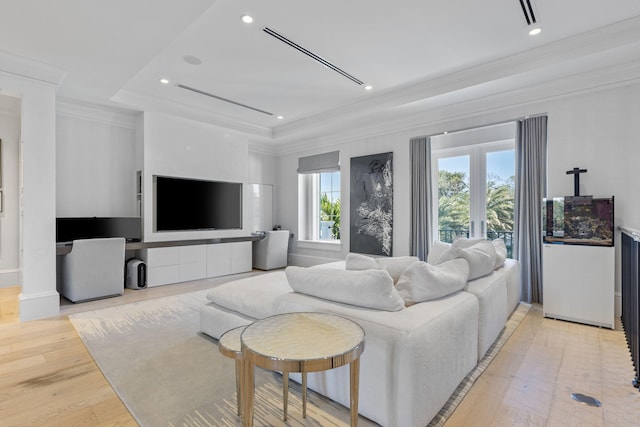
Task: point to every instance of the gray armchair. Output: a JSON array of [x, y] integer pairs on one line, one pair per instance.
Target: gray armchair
[[93, 269], [271, 252]]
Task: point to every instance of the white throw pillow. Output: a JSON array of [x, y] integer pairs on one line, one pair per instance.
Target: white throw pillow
[[481, 258], [501, 252], [360, 262], [438, 249], [425, 282], [396, 265], [366, 288]]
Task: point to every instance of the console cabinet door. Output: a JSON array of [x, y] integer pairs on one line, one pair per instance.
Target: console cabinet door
[[241, 257], [218, 260]]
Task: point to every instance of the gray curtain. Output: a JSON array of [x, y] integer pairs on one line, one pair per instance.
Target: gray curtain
[[531, 168], [421, 217]]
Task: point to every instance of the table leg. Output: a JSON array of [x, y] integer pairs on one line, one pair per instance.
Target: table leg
[[354, 380], [247, 391], [285, 393], [239, 386], [304, 395]]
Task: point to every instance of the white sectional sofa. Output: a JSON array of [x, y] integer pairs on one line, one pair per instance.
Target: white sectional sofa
[[414, 357]]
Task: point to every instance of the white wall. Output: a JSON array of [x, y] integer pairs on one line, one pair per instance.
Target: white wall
[[9, 219], [184, 148], [596, 130], [95, 162]]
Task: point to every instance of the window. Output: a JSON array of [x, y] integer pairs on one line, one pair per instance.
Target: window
[[474, 185], [329, 206], [319, 198]]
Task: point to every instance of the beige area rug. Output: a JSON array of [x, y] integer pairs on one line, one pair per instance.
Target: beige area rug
[[167, 373]]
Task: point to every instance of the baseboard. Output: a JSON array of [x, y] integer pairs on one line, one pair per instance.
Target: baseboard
[[9, 278], [39, 305]]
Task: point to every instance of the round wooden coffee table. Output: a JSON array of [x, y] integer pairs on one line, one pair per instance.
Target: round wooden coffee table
[[300, 342]]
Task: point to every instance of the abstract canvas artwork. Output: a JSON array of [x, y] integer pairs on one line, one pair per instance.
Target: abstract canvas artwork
[[371, 201]]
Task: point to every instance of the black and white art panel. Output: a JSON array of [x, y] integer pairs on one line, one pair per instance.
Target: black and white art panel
[[371, 201]]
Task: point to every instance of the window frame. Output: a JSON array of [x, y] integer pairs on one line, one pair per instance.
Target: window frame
[[309, 194]]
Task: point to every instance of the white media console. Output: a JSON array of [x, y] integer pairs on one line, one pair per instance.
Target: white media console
[[184, 263], [181, 261]]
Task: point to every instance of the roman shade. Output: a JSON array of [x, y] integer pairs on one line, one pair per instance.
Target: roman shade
[[326, 162]]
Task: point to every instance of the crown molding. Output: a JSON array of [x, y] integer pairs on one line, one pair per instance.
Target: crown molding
[[151, 104], [566, 56], [437, 118], [29, 69], [97, 113]]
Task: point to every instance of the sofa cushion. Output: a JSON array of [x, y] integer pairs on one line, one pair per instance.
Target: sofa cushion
[[481, 258], [361, 262], [425, 282], [394, 265], [498, 244], [365, 288], [437, 249], [501, 252], [251, 296]]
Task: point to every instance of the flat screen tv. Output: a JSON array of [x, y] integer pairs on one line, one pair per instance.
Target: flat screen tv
[[191, 204], [74, 228]]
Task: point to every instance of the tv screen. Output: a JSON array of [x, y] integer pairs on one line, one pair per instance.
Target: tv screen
[[74, 228], [192, 204]]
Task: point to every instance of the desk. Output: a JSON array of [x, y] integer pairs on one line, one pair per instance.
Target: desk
[[63, 248], [300, 342]]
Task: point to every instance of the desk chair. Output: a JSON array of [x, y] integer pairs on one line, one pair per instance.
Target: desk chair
[[271, 252], [93, 269]]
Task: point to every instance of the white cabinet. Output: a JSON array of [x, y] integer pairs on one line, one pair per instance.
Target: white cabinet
[[241, 257], [578, 283], [163, 265], [228, 258], [185, 263], [193, 265], [218, 260]]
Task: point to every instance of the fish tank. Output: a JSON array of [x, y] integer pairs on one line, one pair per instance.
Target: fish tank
[[578, 220]]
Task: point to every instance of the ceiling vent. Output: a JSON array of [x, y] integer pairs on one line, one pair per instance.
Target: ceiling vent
[[311, 55], [219, 98], [527, 9]]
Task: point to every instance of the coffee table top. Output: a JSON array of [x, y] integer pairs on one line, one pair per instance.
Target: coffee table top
[[302, 342], [229, 343]]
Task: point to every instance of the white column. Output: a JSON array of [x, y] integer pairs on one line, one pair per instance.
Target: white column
[[39, 297]]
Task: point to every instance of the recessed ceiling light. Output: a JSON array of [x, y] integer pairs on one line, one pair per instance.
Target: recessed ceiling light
[[535, 31], [193, 60], [246, 19], [164, 81], [368, 87], [280, 117]]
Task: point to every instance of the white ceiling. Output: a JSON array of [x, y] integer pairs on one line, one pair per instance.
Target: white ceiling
[[416, 54]]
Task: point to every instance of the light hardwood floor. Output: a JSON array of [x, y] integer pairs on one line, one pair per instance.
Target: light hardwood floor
[[49, 379]]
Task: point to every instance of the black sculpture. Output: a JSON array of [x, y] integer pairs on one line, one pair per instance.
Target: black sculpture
[[576, 179]]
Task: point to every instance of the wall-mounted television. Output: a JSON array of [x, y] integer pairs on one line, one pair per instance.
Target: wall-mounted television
[[193, 204]]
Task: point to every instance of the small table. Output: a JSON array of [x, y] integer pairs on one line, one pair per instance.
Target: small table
[[229, 345], [300, 342]]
